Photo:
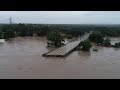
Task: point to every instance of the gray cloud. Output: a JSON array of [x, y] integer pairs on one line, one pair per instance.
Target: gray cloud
[[62, 17]]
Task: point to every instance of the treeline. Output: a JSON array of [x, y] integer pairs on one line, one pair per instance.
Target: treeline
[[14, 30], [9, 31], [23, 30]]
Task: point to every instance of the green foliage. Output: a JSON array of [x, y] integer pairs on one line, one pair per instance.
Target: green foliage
[[73, 30], [55, 39], [8, 31], [96, 37], [69, 37], [86, 45], [117, 45], [1, 35], [106, 42], [8, 34]]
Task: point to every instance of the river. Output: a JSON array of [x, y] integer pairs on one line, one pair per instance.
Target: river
[[21, 58]]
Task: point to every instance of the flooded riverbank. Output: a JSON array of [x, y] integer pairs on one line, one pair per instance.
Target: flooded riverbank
[[22, 58]]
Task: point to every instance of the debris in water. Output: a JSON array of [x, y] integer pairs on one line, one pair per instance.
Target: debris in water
[[95, 49]]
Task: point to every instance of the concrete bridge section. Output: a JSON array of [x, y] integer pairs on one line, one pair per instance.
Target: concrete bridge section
[[66, 49]]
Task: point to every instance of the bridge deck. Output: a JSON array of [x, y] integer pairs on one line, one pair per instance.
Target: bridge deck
[[64, 50]]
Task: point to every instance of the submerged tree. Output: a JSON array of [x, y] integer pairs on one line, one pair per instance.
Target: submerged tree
[[86, 45], [96, 37], [106, 42], [117, 45], [55, 39]]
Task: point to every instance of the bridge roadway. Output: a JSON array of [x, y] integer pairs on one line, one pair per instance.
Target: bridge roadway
[[66, 49]]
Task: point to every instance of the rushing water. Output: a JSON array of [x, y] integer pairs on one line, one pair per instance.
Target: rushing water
[[22, 58]]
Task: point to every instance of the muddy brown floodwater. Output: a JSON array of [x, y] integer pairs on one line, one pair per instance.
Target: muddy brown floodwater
[[22, 58]]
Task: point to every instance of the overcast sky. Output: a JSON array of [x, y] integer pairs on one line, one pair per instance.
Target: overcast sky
[[61, 17]]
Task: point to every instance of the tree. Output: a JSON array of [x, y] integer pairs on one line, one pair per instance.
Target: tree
[[8, 31], [96, 37], [22, 29], [106, 42], [69, 37], [55, 39], [9, 34], [117, 45], [1, 35], [86, 45]]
